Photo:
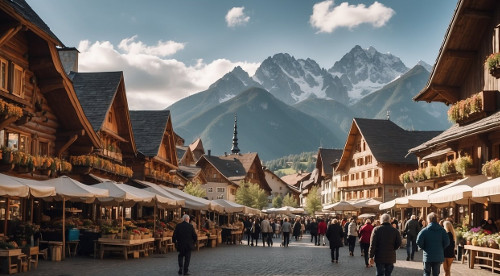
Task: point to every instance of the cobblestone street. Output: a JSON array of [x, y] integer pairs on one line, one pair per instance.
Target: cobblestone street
[[300, 258]]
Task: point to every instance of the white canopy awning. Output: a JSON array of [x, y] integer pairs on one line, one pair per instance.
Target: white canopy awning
[[157, 189], [489, 189], [400, 202], [72, 189], [20, 187], [459, 191], [233, 207], [194, 202], [341, 206], [129, 195], [367, 203]]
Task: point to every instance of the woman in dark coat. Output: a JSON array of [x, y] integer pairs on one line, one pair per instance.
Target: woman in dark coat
[[334, 234], [296, 229], [255, 231]]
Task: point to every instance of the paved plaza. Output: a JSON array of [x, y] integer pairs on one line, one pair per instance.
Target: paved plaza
[[300, 258]]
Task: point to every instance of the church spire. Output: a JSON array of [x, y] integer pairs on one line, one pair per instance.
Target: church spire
[[235, 148]]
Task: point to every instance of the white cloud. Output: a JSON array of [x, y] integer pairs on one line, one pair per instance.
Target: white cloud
[[326, 17], [151, 80], [236, 17]]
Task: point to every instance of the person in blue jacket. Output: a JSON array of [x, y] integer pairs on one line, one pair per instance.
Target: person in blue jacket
[[433, 239]]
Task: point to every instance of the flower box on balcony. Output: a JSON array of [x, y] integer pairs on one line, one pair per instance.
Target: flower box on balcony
[[495, 72], [473, 108]]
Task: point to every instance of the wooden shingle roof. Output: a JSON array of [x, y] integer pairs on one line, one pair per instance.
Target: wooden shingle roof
[[457, 132], [96, 92], [327, 157], [148, 127], [390, 143], [22, 8], [235, 166], [461, 45]]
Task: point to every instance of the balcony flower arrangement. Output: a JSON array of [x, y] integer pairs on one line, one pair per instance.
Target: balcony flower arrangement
[[429, 172], [491, 168], [10, 110], [465, 109], [101, 164], [462, 164], [493, 63]]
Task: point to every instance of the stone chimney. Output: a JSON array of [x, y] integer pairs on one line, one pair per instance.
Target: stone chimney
[[69, 59]]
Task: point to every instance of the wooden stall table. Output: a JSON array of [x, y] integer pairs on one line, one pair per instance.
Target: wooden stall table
[[162, 244], [490, 257], [9, 260], [236, 236], [127, 247], [212, 240], [202, 241]]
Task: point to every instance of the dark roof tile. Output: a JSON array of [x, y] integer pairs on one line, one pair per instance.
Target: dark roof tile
[[148, 127]]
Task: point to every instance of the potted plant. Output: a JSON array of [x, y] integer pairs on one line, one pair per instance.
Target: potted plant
[[462, 164], [493, 63]]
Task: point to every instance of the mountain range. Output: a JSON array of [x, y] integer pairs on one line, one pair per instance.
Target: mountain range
[[293, 105]]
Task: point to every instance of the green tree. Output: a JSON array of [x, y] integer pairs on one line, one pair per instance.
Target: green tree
[[313, 201], [250, 194], [288, 200], [277, 201], [195, 189]]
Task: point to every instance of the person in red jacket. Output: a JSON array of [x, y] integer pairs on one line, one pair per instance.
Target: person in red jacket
[[364, 239], [321, 231]]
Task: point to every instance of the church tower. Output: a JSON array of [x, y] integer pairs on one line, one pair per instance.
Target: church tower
[[235, 149]]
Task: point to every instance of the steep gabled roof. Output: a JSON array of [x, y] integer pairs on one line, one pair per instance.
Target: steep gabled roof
[[22, 8], [458, 132], [148, 127], [294, 179], [181, 150], [327, 157], [234, 167], [461, 44], [388, 142], [96, 92], [197, 149]]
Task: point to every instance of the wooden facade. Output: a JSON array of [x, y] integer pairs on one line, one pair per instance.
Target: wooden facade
[[41, 122], [224, 174], [461, 73], [373, 158], [155, 140]]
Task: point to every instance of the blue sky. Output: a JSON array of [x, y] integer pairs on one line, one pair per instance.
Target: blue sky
[[172, 49]]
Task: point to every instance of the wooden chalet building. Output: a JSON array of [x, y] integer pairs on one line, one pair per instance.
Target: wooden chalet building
[[374, 156], [461, 77], [224, 174], [155, 141], [279, 187], [103, 99], [42, 122], [326, 158], [40, 115]]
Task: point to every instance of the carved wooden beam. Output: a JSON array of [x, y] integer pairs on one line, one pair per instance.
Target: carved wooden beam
[[447, 92], [7, 122], [9, 33], [66, 146], [50, 85], [80, 132]]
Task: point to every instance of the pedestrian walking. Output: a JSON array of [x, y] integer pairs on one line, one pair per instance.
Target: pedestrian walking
[[449, 252], [184, 238], [352, 234], [365, 233], [313, 229], [412, 228], [286, 229], [248, 229], [433, 239], [277, 229], [384, 242], [334, 234], [255, 232], [345, 226], [321, 231], [296, 229], [267, 232]]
